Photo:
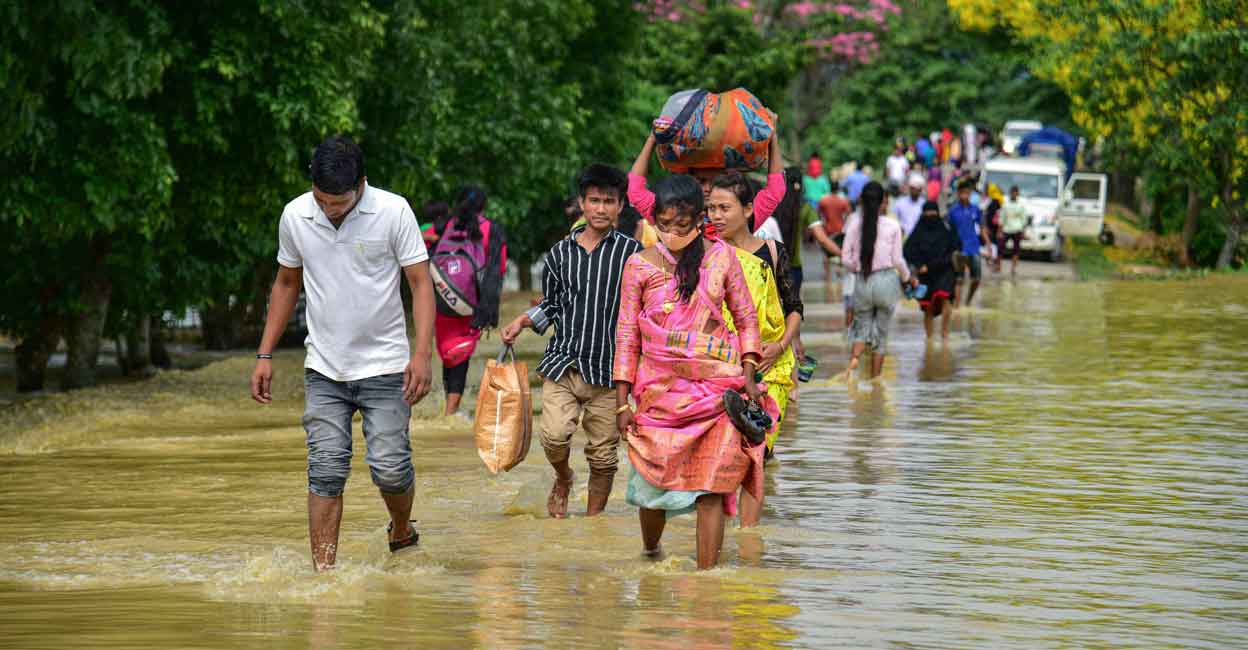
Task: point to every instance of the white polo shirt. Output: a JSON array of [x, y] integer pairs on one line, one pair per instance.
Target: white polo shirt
[[351, 275]]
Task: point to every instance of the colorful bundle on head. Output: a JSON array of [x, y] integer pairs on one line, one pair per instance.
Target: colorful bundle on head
[[703, 130]]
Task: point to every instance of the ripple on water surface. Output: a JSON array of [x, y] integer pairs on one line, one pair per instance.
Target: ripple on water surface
[[1067, 471]]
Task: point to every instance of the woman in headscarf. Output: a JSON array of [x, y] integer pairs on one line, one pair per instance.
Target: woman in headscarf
[[929, 250]]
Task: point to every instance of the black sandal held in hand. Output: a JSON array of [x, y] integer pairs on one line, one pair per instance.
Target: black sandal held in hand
[[747, 416], [406, 541]]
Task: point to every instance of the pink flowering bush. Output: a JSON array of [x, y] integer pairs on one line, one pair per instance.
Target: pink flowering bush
[[835, 31]]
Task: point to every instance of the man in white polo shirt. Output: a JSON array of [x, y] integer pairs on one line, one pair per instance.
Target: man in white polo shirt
[[347, 244]]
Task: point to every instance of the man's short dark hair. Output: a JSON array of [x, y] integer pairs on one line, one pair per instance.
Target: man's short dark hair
[[966, 184], [603, 177], [337, 165]]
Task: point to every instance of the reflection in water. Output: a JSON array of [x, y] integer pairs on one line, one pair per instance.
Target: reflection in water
[[1065, 471], [937, 362]]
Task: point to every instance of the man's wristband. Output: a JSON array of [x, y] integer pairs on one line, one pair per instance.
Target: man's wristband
[[264, 356]]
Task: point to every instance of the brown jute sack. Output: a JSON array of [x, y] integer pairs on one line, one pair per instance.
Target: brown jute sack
[[504, 424]]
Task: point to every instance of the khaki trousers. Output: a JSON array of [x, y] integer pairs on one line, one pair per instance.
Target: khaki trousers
[[563, 404]]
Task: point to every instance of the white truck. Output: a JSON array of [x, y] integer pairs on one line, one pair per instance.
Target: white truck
[[1014, 131], [1057, 207]]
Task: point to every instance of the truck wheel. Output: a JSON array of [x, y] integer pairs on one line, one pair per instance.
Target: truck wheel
[[1106, 237]]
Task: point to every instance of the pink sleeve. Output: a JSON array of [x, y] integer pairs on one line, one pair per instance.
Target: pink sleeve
[[741, 305], [640, 196], [769, 199], [899, 260], [627, 334], [849, 252]]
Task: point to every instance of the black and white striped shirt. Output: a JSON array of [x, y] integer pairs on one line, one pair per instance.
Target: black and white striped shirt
[[582, 300]]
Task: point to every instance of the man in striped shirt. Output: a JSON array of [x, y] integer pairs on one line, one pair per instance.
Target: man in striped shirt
[[582, 300]]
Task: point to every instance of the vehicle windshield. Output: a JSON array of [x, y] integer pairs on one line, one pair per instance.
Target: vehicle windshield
[[1030, 186], [1018, 133]]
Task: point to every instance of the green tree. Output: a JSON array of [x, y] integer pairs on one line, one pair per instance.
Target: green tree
[[1157, 74], [932, 74], [253, 88], [514, 95], [87, 171]]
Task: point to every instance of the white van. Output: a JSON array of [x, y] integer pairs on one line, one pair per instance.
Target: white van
[[1077, 209]]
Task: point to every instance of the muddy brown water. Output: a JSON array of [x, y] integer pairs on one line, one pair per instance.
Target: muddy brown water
[[1067, 471]]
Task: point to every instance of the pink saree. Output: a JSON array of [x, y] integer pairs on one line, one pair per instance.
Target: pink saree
[[680, 358]]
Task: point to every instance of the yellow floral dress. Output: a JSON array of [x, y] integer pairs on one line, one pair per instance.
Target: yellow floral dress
[[771, 324]]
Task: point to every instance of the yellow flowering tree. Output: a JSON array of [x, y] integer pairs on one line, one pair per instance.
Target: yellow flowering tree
[[1167, 76]]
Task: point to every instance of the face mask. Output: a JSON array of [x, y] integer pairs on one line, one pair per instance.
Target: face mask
[[677, 243]]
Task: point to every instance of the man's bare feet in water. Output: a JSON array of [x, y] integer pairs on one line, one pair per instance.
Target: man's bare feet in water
[[655, 553], [557, 502]]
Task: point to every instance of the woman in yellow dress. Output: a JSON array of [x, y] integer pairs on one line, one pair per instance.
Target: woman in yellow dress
[[730, 208]]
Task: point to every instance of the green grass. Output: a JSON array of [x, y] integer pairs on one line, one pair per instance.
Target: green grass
[[1090, 260]]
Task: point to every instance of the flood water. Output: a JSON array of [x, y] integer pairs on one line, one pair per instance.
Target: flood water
[[1068, 471]]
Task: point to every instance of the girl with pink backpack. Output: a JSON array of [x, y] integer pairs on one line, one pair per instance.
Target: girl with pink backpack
[[467, 267]]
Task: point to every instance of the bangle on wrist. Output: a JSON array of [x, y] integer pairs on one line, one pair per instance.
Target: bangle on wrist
[[621, 409], [263, 355]]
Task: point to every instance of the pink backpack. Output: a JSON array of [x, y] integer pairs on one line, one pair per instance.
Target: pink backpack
[[458, 265]]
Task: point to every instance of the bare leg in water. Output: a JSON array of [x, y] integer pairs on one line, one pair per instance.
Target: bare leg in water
[[324, 517], [750, 509], [652, 524], [452, 403], [877, 364], [856, 352], [710, 530], [400, 508]]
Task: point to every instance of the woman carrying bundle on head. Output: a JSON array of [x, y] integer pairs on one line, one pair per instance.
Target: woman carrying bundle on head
[[677, 358], [467, 266]]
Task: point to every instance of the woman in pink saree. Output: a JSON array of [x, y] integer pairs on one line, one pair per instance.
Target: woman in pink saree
[[676, 358]]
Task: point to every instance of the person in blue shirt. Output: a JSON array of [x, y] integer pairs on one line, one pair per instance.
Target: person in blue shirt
[[967, 221], [854, 183]]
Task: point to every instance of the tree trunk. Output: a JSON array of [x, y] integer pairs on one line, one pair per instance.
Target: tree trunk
[[82, 336], [524, 273], [1234, 227], [220, 327], [32, 359], [123, 359], [159, 353], [1189, 225], [139, 349]]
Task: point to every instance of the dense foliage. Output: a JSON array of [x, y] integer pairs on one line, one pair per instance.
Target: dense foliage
[[152, 143], [932, 75], [1165, 77]]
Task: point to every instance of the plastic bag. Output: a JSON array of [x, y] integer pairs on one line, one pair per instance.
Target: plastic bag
[[504, 422], [703, 130]]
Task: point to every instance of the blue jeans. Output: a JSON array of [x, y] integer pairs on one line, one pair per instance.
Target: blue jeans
[[327, 417]]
